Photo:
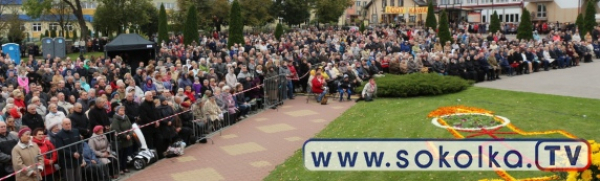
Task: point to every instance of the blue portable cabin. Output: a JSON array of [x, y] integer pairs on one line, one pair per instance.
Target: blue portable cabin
[[13, 50]]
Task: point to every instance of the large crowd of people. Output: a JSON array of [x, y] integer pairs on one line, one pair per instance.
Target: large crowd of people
[[70, 105]]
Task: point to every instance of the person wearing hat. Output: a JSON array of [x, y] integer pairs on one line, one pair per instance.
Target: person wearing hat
[[345, 86], [120, 124], [213, 112], [100, 146], [25, 154], [166, 125], [184, 125]]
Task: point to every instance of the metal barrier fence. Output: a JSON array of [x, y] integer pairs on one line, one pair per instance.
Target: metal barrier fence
[[276, 90], [92, 159], [98, 159]]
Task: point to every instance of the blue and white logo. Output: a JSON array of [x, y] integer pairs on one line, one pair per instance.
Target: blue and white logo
[[446, 155]]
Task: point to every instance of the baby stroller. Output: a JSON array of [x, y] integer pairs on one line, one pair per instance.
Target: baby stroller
[[144, 156]]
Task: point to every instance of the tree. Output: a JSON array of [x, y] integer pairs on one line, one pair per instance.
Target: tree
[[67, 36], [278, 31], [330, 10], [36, 8], [75, 35], [53, 33], [61, 13], [236, 28], [122, 15], [47, 34], [256, 12], [295, 12], [190, 33], [589, 19], [15, 33], [431, 21], [151, 27], [362, 27], [525, 30], [494, 23], [444, 30], [580, 24], [206, 9], [163, 31], [276, 9]]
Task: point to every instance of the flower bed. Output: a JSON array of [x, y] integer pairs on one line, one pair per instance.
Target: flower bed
[[470, 121], [592, 173], [451, 118]]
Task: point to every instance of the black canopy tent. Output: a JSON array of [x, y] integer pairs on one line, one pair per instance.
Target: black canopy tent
[[132, 48]]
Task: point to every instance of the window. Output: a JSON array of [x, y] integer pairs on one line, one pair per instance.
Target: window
[[400, 2], [22, 27], [374, 18], [512, 18], [517, 18], [357, 4], [88, 5], [500, 17], [167, 5], [484, 17], [54, 26], [36, 26], [69, 27], [392, 2], [384, 4], [364, 3], [541, 10]]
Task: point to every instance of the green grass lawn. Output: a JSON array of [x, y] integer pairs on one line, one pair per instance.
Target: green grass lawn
[[407, 118]]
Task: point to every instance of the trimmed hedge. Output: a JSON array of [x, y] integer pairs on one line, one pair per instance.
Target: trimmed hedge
[[418, 85]]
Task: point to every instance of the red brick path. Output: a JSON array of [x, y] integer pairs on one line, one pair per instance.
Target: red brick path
[[250, 149]]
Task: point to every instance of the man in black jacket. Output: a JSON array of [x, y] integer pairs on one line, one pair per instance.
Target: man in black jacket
[[131, 107], [80, 121], [98, 115], [149, 114], [32, 119], [70, 157], [7, 143], [186, 126]]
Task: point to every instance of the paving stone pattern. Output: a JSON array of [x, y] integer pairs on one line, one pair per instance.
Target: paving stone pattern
[[248, 150]]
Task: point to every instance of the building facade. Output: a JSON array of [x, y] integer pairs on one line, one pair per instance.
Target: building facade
[[354, 14], [480, 11], [555, 10], [34, 28]]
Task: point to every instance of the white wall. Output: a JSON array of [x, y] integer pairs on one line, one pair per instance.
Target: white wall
[[504, 10]]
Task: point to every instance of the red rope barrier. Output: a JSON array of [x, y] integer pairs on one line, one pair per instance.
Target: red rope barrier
[[18, 171]]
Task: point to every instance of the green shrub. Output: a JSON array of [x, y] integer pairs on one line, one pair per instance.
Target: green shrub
[[418, 85]]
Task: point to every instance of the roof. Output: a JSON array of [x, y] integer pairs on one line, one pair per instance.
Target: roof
[[88, 18], [125, 42], [11, 2]]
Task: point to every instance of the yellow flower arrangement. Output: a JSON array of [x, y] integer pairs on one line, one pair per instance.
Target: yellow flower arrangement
[[572, 176], [591, 173], [442, 111]]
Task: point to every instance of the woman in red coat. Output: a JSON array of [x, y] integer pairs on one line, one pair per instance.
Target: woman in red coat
[[319, 86], [49, 158], [189, 93]]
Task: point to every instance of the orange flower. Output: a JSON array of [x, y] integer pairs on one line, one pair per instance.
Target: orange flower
[[442, 111]]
